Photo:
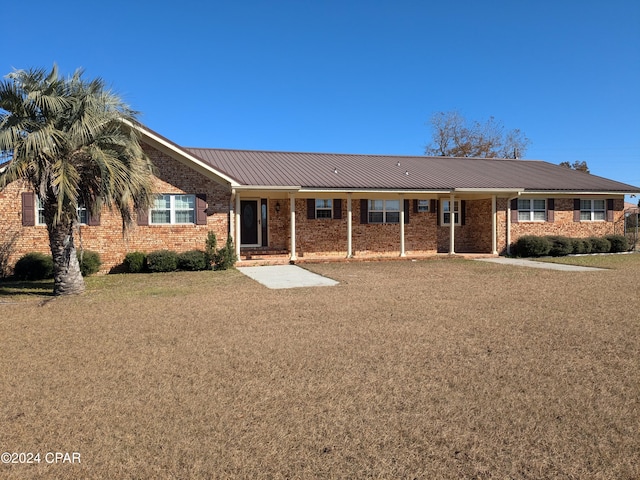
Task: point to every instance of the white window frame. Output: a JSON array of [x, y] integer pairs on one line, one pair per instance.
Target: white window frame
[[172, 210], [424, 206], [83, 214], [324, 208], [387, 212], [591, 211], [527, 210], [445, 213]]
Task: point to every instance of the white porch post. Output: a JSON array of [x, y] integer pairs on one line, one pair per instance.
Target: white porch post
[[236, 224], [292, 203], [402, 214], [349, 227], [494, 226], [452, 224]]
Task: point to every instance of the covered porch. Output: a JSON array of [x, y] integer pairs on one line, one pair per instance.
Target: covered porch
[[294, 224]]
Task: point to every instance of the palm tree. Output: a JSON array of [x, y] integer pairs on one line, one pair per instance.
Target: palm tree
[[75, 143]]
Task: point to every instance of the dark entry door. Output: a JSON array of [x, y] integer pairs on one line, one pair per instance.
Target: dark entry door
[[249, 222]]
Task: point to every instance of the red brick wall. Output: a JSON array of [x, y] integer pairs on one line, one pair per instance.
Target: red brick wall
[[563, 223], [108, 238]]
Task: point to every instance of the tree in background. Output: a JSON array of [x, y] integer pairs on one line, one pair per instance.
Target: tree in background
[[577, 165], [454, 136], [75, 144]]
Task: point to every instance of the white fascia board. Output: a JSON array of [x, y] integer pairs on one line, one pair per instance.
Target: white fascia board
[[183, 156], [573, 194], [514, 191], [268, 188], [376, 191]]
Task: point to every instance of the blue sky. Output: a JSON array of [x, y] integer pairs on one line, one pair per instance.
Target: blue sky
[[356, 76]]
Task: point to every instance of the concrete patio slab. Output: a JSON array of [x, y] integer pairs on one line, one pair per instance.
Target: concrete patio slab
[[521, 262], [286, 276]]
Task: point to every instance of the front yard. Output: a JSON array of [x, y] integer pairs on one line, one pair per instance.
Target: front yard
[[428, 369]]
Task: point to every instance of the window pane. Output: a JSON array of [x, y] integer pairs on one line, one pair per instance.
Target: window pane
[[184, 202], [323, 213], [162, 216], [162, 202], [446, 218], [585, 215], [375, 217], [323, 203], [393, 217], [376, 204], [523, 204], [539, 205], [393, 205], [598, 215], [445, 205], [82, 216], [524, 215], [540, 216], [423, 205], [185, 216], [585, 204], [598, 204]]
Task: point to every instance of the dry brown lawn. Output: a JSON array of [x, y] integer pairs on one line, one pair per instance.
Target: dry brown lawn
[[428, 369]]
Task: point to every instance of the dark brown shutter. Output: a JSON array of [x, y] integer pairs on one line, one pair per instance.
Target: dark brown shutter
[[364, 211], [463, 212], [311, 208], [28, 209], [337, 208], [576, 209], [201, 209], [436, 209], [514, 210], [610, 211], [142, 217], [93, 220], [406, 211], [415, 206], [551, 210]]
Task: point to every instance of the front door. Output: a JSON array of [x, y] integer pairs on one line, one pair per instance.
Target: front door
[[249, 231]]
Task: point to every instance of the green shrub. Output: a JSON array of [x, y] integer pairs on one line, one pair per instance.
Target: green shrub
[[134, 262], [34, 266], [162, 261], [225, 258], [580, 245], [193, 260], [532, 246], [619, 243], [600, 245], [210, 248], [89, 262], [560, 246]]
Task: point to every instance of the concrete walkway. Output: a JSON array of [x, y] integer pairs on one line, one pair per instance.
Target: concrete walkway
[[286, 276], [521, 262]]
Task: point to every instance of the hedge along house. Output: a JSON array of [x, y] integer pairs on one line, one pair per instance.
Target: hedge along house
[[310, 205]]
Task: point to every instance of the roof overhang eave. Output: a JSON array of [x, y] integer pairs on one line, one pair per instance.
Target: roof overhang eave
[[181, 155], [375, 190], [582, 192], [271, 188], [498, 191]]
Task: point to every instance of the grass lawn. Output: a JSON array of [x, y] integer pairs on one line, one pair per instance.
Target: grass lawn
[[428, 369]]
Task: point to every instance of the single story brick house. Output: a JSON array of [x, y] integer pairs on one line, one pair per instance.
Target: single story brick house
[[306, 205]]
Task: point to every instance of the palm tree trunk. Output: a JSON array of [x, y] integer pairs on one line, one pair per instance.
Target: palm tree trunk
[[67, 279]]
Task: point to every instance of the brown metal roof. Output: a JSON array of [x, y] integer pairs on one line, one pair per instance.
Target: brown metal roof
[[350, 171]]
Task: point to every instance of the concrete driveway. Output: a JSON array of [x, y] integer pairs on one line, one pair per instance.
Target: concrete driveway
[[522, 262], [286, 276]]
